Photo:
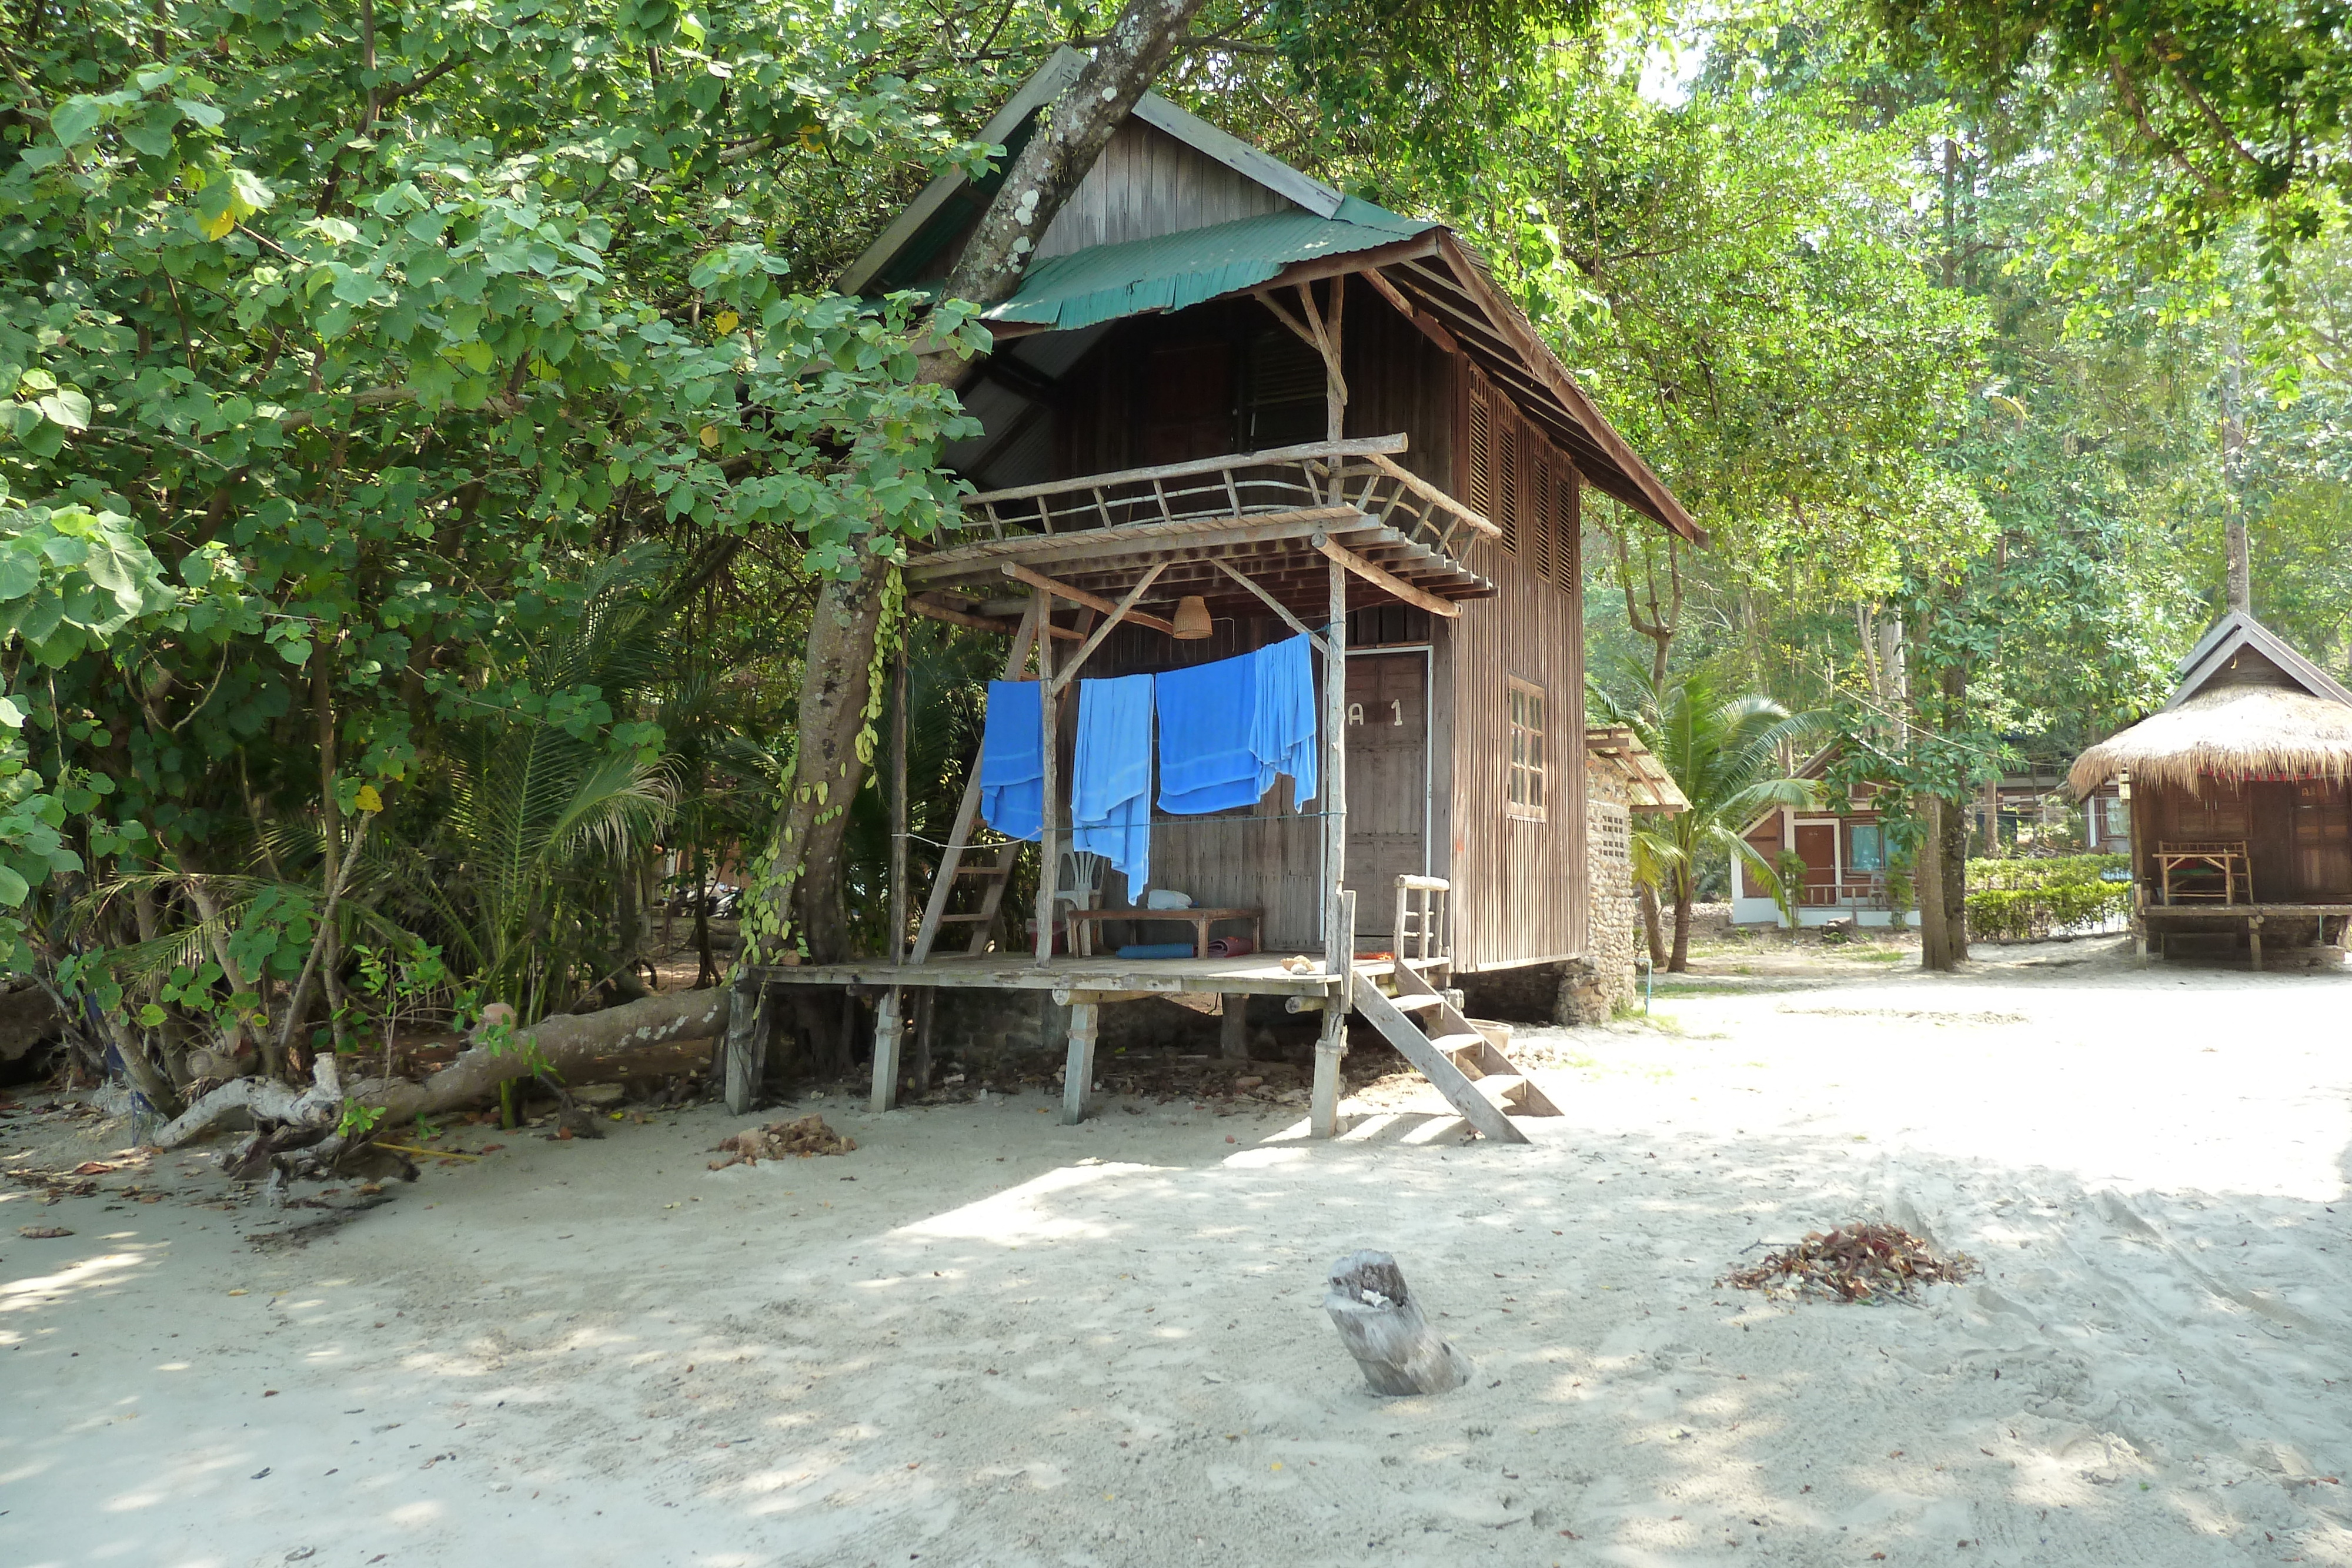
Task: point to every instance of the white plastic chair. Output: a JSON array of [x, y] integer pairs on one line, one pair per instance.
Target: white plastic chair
[[1078, 882]]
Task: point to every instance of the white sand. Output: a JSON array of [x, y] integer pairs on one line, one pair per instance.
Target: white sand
[[1007, 1343]]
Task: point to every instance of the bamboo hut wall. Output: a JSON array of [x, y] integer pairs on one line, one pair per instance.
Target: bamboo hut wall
[[2298, 833]]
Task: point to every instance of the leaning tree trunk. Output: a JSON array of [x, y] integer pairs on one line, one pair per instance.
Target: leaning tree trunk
[[564, 1043], [1652, 928], [806, 872], [1680, 962]]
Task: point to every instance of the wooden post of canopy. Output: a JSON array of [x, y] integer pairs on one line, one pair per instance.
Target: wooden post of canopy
[[1049, 842], [1339, 915]]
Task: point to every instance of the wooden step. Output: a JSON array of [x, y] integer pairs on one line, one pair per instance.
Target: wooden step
[[1433, 1063], [1506, 1089], [1410, 1004], [1455, 1044], [983, 871], [965, 919]]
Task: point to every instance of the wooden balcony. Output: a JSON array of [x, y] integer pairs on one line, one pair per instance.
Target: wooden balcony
[[1258, 523]]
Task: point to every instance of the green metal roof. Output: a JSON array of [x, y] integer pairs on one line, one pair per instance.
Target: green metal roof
[[1105, 282]]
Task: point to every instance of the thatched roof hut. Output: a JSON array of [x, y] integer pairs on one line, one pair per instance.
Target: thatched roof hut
[[2248, 707], [2240, 800], [2235, 732]]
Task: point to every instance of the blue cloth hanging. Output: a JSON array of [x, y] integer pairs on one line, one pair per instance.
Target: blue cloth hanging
[[1282, 726], [1206, 715], [1110, 782], [1013, 760]]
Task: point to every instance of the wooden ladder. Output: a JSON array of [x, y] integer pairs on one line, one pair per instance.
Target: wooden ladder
[[984, 921], [1444, 1047]]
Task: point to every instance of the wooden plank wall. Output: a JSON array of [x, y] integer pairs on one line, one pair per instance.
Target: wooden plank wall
[[2307, 860], [1520, 892], [1146, 184], [1268, 857]]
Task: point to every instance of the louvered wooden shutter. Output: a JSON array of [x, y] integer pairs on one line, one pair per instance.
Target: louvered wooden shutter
[[1506, 511], [1567, 550], [1537, 522], [1482, 449]]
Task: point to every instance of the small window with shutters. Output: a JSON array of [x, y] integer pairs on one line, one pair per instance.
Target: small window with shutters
[[1506, 512], [1527, 758], [1568, 531], [1537, 525], [1482, 450]]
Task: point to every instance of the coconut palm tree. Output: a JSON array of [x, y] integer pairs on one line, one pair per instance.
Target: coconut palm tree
[[1725, 754]]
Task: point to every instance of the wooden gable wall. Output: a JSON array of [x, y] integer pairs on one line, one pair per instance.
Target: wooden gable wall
[[1519, 889], [1147, 183]]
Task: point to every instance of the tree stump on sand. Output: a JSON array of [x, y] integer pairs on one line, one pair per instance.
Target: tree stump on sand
[[1381, 1322]]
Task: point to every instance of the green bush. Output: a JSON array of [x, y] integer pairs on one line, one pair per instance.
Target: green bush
[[2017, 900]]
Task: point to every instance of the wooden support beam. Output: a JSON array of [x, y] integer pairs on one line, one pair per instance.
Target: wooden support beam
[[1095, 602], [935, 611], [1122, 610], [1049, 840], [1343, 557], [1338, 903], [1271, 602], [1431, 328]]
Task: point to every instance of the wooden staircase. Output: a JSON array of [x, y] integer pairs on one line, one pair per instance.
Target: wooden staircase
[[1447, 1049]]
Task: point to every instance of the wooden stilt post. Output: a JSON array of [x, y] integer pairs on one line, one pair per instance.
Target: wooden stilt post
[[1078, 1072], [1049, 839], [899, 811], [1233, 1030], [747, 1043], [1339, 917], [889, 1033], [2254, 939]]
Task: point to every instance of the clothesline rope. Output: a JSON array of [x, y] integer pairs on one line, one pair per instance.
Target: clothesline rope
[[973, 846]]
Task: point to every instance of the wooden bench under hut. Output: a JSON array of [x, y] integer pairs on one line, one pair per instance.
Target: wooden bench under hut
[[2240, 812], [1230, 406]]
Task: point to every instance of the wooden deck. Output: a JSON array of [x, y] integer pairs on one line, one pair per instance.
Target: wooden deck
[[1254, 974]]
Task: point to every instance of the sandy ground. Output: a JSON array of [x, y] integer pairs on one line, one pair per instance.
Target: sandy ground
[[984, 1339]]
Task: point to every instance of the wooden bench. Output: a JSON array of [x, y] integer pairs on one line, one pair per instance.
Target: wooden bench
[[1199, 919]]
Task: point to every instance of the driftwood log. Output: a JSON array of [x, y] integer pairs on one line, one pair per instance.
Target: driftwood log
[[1381, 1322], [564, 1043]]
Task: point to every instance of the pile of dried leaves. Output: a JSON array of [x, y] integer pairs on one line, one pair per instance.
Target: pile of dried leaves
[[1855, 1263], [807, 1136]]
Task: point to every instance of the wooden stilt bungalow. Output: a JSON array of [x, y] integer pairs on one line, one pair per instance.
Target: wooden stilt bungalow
[[2240, 809], [1229, 406]]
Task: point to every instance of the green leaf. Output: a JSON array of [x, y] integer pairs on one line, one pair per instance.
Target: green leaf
[[76, 120], [14, 889], [20, 572], [67, 407]]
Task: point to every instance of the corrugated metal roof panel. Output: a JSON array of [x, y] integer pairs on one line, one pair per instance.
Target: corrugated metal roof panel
[[1108, 281]]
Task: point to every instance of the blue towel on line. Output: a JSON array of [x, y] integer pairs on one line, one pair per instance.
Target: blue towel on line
[[1206, 722], [1013, 760], [1110, 782], [1157, 950], [1282, 726]]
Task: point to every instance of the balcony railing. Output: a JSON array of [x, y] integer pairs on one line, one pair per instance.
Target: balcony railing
[[1322, 478]]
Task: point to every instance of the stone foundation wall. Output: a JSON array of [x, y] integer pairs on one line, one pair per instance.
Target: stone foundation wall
[[1609, 976]]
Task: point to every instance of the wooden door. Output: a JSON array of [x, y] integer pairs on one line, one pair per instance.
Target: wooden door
[[1187, 403], [1388, 782], [1817, 842], [2270, 844], [2323, 840]]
